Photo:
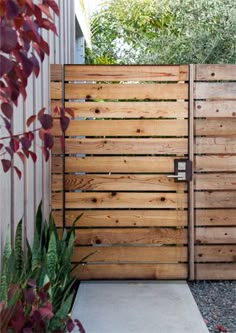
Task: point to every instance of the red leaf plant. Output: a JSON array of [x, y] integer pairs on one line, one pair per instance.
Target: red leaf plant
[[22, 48]]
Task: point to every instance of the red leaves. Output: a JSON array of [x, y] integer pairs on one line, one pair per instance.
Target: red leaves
[[30, 120], [6, 66], [6, 164], [12, 9], [8, 40], [221, 328], [7, 110], [46, 121]]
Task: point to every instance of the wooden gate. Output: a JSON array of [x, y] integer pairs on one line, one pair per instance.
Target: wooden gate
[[131, 124]]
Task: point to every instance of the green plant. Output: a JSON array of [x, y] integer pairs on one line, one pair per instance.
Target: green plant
[[48, 263]]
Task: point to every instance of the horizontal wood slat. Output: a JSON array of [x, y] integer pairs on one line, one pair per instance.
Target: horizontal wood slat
[[217, 181], [128, 164], [132, 271], [213, 199], [217, 145], [216, 235], [56, 72], [56, 89], [116, 183], [216, 271], [126, 73], [219, 90], [215, 163], [124, 146], [215, 253], [216, 217], [120, 200], [219, 72], [176, 109], [124, 254], [127, 128], [215, 127], [131, 236], [150, 91], [124, 218], [215, 109]]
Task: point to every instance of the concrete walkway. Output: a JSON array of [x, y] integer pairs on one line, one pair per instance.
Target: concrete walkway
[[137, 307]]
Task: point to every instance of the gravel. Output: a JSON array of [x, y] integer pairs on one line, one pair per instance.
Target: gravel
[[217, 303]]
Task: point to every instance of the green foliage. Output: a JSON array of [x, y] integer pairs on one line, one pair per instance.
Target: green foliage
[[48, 263], [164, 32]]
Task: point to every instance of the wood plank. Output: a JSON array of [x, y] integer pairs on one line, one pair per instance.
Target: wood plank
[[124, 200], [56, 164], [213, 199], [215, 163], [205, 72], [171, 91], [216, 109], [124, 218], [56, 72], [216, 91], [124, 146], [218, 145], [176, 109], [215, 127], [216, 271], [216, 181], [131, 254], [132, 128], [215, 235], [56, 90], [126, 73], [116, 183], [131, 271], [128, 164], [120, 200], [215, 253], [132, 236], [216, 217]]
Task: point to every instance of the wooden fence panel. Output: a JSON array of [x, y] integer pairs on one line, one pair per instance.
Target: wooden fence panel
[[215, 167], [119, 148]]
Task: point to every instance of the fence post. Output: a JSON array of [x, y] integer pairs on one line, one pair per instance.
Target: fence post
[[191, 201]]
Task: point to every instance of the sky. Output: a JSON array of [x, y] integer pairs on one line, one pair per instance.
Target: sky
[[92, 5]]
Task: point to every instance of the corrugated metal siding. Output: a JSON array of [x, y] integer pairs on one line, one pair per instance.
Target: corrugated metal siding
[[20, 198]]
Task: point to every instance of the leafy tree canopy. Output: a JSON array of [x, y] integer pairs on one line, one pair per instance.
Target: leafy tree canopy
[[164, 31]]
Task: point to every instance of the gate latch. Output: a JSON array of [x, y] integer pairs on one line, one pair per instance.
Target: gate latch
[[182, 170]]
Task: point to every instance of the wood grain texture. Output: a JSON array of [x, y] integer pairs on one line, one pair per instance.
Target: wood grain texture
[[124, 218], [216, 235], [132, 236], [215, 91], [150, 91], [215, 253], [216, 271], [56, 90], [128, 164], [217, 145], [215, 127], [131, 254], [131, 128], [221, 72], [126, 73], [216, 217], [120, 200], [215, 109], [214, 199], [116, 183], [216, 181], [127, 146], [215, 163], [56, 72], [131, 271], [176, 109]]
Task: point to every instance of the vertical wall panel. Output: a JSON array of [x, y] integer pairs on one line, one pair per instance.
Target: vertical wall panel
[[20, 198]]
